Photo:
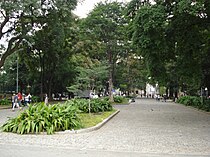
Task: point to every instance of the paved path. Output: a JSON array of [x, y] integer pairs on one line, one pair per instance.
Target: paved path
[[143, 128]]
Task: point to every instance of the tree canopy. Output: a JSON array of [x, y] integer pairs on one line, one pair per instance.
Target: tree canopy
[[23, 18], [172, 36], [166, 41]]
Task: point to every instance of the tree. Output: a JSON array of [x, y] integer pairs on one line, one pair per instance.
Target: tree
[[105, 23], [170, 36], [90, 76], [131, 73], [49, 55], [22, 18]]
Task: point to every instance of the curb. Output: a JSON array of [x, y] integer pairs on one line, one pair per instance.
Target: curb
[[93, 128], [5, 107]]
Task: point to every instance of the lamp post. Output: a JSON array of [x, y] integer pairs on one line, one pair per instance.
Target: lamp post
[[41, 71], [17, 77], [28, 87], [206, 92]]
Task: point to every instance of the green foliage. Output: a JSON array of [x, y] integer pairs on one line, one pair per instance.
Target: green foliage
[[5, 102], [89, 77], [100, 105], [118, 99], [197, 102], [162, 90], [106, 24], [29, 15], [173, 38], [96, 105], [90, 120], [35, 99], [40, 118]]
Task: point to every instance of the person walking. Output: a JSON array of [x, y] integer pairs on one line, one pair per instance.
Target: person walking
[[16, 103], [20, 97], [27, 99], [46, 100], [13, 99]]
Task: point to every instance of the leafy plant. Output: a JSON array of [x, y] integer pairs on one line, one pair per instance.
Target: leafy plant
[[100, 105], [197, 102], [40, 118], [35, 99], [4, 102], [96, 105], [118, 99]]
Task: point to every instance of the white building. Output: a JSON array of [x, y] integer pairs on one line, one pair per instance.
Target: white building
[[151, 91]]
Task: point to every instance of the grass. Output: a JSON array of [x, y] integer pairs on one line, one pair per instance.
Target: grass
[[92, 119]]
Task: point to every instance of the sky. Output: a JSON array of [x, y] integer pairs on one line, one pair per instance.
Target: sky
[[86, 6]]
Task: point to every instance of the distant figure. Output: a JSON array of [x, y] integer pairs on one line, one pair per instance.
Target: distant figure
[[19, 98], [27, 99], [13, 100], [46, 100], [15, 103], [164, 97]]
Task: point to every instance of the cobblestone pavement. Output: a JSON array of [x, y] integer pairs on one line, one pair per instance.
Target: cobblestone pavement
[[143, 127]]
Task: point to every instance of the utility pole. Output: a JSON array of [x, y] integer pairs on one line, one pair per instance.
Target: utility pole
[[17, 77]]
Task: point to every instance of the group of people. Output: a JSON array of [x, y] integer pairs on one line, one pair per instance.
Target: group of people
[[19, 100]]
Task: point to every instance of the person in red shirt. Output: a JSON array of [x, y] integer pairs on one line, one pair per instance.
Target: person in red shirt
[[20, 97]]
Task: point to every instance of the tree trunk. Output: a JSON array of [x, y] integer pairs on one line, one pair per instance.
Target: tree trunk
[[111, 97]]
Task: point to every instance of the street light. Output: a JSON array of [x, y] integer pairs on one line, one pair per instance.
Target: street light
[[17, 77], [28, 87], [206, 91]]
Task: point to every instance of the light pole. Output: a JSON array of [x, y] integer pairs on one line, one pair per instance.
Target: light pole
[[17, 77], [206, 92], [28, 87]]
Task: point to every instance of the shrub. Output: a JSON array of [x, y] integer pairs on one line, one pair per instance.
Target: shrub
[[81, 104], [41, 118], [118, 99], [206, 105], [100, 105], [5, 102], [35, 99], [96, 105], [195, 102]]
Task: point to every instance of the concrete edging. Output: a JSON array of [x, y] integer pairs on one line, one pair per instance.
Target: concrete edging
[[5, 107], [93, 128]]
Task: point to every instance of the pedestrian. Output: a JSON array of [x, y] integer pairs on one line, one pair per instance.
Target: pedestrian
[[16, 103], [13, 99], [23, 103], [20, 97], [164, 97], [46, 100], [27, 99]]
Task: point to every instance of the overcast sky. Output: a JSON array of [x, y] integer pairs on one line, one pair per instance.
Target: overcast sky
[[86, 6]]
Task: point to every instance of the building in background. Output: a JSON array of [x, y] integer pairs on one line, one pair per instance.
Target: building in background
[[152, 91]]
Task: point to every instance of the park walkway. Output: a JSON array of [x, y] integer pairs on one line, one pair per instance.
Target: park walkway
[[144, 128]]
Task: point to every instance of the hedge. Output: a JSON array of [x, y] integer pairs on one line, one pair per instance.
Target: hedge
[[197, 102]]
